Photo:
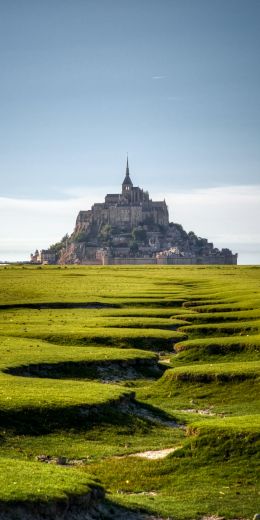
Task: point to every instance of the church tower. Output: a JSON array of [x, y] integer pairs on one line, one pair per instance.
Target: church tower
[[127, 184]]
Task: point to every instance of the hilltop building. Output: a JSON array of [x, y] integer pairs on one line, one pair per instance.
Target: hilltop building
[[124, 210], [129, 227]]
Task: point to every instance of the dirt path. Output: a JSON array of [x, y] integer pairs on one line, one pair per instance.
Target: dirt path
[[155, 454]]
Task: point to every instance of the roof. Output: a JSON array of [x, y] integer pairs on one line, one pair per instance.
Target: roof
[[127, 181]]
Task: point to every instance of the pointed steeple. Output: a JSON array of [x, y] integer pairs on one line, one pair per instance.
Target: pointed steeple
[[127, 167], [127, 180]]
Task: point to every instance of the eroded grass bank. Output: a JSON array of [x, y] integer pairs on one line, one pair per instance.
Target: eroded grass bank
[[101, 363]]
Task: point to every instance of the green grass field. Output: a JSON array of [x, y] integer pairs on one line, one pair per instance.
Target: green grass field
[[99, 365]]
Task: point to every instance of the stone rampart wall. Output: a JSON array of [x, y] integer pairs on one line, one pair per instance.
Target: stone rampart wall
[[204, 260], [199, 260]]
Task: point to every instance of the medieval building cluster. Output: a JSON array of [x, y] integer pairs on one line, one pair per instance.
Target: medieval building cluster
[[129, 227], [124, 210]]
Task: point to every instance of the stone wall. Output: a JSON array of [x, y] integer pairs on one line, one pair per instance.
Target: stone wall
[[201, 260]]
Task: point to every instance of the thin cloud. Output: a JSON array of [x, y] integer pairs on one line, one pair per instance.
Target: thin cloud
[[158, 77]]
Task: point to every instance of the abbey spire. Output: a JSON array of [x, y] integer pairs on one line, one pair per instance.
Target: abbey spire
[[127, 167], [127, 183]]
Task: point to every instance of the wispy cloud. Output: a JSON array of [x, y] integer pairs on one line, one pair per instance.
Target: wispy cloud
[[227, 216], [158, 77]]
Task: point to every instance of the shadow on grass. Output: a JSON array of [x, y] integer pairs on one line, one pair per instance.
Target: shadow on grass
[[60, 305], [103, 370], [153, 414], [124, 411], [155, 343], [41, 421], [92, 506]]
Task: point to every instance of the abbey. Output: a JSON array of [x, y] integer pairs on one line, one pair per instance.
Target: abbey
[[124, 210], [131, 228]]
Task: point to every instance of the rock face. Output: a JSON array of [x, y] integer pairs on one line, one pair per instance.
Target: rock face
[[129, 227]]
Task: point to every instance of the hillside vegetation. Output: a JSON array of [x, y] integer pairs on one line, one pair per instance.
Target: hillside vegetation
[[129, 392]]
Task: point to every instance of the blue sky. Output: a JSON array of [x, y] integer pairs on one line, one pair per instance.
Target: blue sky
[[175, 83]]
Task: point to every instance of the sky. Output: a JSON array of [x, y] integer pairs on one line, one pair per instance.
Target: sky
[[173, 83]]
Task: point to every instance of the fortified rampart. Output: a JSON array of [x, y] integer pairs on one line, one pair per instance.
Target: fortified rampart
[[204, 260]]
